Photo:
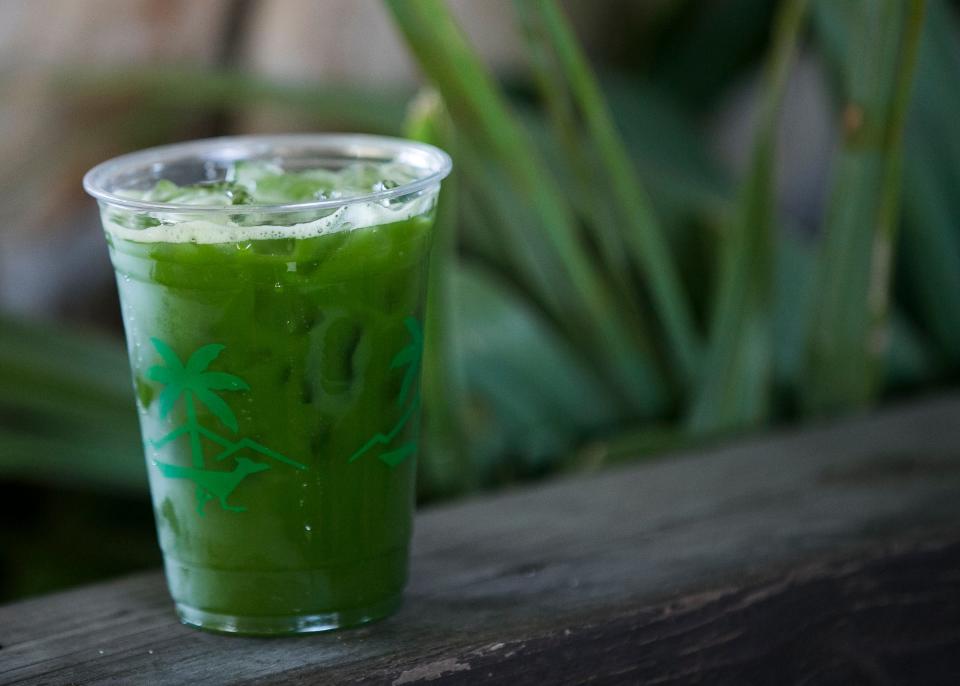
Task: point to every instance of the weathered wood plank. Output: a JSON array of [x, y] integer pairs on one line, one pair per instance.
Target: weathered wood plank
[[828, 555]]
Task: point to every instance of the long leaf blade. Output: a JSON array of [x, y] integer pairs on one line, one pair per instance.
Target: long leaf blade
[[580, 300], [929, 247], [736, 388], [849, 333], [642, 236]]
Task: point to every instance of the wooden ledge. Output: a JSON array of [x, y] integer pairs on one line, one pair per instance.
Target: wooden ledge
[[827, 555]]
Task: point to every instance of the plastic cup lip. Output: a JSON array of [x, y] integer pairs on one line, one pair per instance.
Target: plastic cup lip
[[434, 162]]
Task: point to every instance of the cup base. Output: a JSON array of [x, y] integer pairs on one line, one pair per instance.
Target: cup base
[[287, 625]]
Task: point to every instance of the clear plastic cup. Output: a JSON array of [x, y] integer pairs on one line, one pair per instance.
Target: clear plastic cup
[[275, 351]]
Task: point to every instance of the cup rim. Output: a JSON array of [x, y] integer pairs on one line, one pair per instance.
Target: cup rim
[[436, 165]]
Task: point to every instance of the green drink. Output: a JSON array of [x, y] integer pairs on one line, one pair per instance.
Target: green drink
[[272, 290]]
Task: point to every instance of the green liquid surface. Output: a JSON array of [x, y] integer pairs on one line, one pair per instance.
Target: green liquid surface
[[295, 501]]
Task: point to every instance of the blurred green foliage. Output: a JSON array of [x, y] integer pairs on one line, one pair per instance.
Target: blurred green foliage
[[601, 289]]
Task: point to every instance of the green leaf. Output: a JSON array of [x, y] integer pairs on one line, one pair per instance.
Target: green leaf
[[38, 355], [218, 407], [223, 382], [566, 151], [929, 248], [413, 328], [737, 379], [908, 362], [404, 357], [579, 298], [669, 149], [64, 459], [168, 355], [445, 466], [531, 396], [850, 328], [169, 397], [394, 457], [640, 234], [67, 412], [201, 359], [410, 378], [161, 374], [794, 273], [165, 88]]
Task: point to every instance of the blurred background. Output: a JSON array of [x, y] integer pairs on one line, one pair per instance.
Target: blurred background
[[671, 223]]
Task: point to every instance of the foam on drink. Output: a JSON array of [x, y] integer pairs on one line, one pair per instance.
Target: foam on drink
[[249, 184]]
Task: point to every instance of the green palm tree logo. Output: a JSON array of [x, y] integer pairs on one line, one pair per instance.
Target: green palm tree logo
[[195, 384], [411, 357]]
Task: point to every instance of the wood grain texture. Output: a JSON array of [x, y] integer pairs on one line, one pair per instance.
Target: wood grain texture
[[825, 556]]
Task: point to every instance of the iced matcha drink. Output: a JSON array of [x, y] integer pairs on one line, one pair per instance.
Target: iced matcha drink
[[272, 291]]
